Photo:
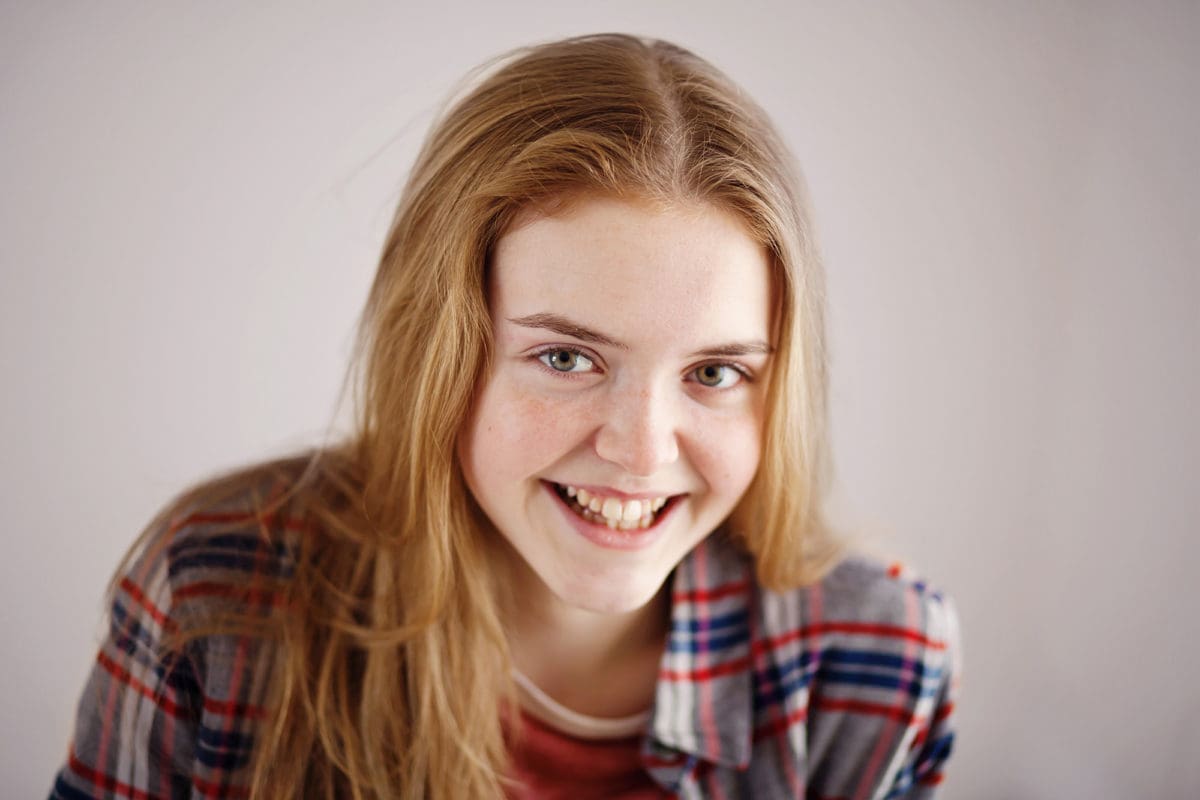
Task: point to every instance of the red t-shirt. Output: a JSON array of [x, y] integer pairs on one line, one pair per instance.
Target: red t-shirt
[[551, 765]]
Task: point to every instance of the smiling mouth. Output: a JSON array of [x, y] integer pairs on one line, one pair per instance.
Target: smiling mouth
[[611, 512]]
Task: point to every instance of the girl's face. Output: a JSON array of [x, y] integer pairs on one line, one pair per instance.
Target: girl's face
[[622, 417]]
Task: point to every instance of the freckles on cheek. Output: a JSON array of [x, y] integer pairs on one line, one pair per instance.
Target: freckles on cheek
[[734, 460], [530, 428]]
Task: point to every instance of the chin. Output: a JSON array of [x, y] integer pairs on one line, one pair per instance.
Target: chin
[[602, 595]]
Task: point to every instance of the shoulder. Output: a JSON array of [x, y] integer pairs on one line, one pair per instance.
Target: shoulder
[[179, 682], [861, 596], [850, 679], [868, 624], [887, 599], [877, 652], [215, 559], [232, 535], [243, 538]]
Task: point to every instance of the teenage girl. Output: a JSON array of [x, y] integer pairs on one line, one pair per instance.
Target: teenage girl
[[575, 546]]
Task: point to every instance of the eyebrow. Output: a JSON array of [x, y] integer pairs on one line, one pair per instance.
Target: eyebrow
[[565, 327]]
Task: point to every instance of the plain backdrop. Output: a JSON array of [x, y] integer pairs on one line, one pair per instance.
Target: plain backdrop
[[194, 195]]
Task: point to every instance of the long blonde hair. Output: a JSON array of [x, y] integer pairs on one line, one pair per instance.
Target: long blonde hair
[[390, 663]]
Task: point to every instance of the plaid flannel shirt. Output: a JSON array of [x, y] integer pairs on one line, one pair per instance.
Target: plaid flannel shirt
[[843, 689]]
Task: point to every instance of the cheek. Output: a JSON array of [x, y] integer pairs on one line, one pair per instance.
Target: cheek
[[516, 433], [727, 454]]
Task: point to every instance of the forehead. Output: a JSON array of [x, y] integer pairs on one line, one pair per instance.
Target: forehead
[[636, 271]]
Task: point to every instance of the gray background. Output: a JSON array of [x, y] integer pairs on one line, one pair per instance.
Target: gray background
[[194, 196]]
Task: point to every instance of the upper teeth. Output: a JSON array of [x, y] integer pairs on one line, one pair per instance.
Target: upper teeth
[[613, 509]]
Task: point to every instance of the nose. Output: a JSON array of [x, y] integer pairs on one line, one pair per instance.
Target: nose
[[639, 431]]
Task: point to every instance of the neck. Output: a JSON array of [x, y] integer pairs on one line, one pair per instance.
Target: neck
[[600, 664]]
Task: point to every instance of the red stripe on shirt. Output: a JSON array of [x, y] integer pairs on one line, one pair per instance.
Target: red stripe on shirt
[[943, 712], [804, 632], [708, 595], [138, 596], [867, 628], [101, 780], [126, 677], [706, 673], [706, 709], [873, 773], [227, 590], [778, 726], [234, 709], [919, 739], [211, 705], [876, 709]]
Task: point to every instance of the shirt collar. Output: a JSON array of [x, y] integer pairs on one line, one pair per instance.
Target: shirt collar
[[704, 699]]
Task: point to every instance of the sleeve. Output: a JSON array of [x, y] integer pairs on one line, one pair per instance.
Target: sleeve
[[136, 728], [932, 727]]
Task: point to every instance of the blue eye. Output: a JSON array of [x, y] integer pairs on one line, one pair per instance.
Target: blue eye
[[717, 376], [563, 360]]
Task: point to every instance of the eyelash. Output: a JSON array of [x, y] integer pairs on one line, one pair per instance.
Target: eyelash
[[742, 372]]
